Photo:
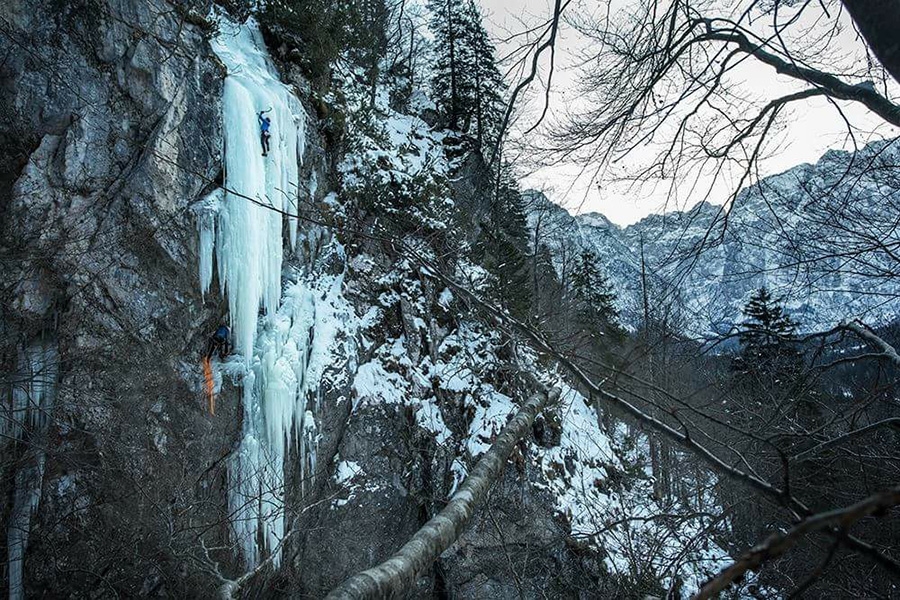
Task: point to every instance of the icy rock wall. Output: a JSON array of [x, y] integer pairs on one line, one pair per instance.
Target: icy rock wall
[[33, 395]]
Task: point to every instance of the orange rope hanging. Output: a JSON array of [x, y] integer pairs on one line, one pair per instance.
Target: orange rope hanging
[[210, 384]]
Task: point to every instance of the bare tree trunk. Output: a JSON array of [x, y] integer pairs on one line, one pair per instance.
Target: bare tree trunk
[[534, 255], [398, 574], [644, 295], [648, 352], [454, 99], [879, 23], [655, 468]]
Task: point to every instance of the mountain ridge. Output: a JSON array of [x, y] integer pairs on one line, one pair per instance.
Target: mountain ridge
[[782, 232]]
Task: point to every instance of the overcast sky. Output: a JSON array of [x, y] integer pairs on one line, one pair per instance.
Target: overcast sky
[[811, 128]]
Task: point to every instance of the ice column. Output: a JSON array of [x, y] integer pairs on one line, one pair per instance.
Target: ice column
[[207, 212], [32, 401], [276, 419]]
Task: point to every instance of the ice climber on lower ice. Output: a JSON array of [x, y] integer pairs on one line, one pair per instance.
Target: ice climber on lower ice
[[219, 341], [264, 123]]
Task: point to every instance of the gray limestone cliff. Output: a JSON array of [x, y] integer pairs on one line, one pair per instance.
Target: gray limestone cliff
[[111, 131]]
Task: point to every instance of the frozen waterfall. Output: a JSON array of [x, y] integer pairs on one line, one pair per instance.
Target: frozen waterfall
[[248, 232], [244, 236]]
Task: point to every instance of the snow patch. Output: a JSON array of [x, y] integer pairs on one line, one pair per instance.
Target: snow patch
[[428, 417], [492, 411], [373, 382]]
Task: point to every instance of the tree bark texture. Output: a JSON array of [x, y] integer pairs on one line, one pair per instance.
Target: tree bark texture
[[879, 23]]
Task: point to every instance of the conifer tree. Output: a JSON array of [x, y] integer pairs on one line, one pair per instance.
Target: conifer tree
[[767, 336], [507, 263], [365, 23], [546, 289], [450, 81], [314, 27], [487, 82], [467, 84], [505, 246], [507, 210], [769, 372], [598, 310]]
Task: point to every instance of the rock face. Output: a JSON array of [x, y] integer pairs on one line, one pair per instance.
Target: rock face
[[820, 236], [113, 131]]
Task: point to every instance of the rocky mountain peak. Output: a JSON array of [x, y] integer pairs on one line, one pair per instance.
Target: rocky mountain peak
[[716, 256]]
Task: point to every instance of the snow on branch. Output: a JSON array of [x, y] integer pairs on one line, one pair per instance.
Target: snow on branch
[[866, 333]]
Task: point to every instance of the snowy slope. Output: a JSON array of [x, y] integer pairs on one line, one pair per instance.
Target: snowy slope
[[292, 322]]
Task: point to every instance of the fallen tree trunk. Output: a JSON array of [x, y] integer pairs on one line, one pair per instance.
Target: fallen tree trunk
[[398, 574]]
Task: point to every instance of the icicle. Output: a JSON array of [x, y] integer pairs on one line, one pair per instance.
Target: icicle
[[33, 391], [275, 401], [206, 211], [26, 497], [307, 448]]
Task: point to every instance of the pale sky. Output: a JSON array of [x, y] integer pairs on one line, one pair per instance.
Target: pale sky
[[811, 128]]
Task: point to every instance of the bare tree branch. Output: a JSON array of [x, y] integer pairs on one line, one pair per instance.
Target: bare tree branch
[[860, 329], [892, 421], [779, 543], [558, 7]]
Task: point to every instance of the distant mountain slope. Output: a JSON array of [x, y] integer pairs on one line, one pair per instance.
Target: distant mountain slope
[[825, 237]]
